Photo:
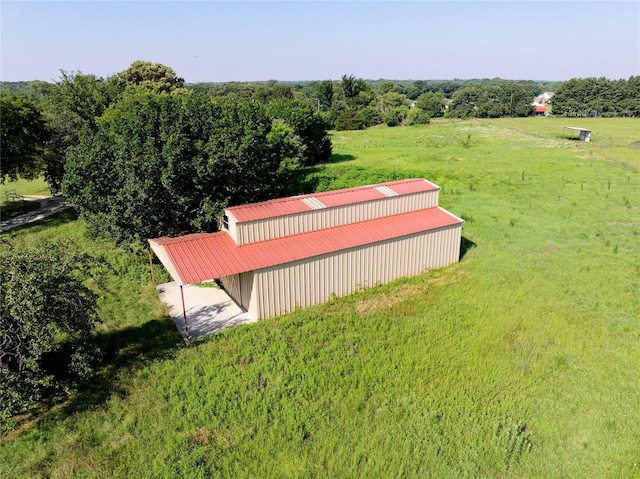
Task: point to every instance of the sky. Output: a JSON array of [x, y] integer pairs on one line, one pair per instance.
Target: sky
[[215, 41]]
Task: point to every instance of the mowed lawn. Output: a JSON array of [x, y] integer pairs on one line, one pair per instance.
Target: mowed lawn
[[522, 360]]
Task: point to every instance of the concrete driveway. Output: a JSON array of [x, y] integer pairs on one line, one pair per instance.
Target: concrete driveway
[[49, 205], [208, 309]]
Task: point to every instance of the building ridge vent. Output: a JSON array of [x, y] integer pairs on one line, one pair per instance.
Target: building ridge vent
[[313, 203], [386, 191]]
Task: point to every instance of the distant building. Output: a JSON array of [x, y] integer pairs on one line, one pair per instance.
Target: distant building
[[543, 99], [540, 110], [275, 256]]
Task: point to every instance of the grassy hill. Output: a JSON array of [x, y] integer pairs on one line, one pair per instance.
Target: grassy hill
[[522, 360]]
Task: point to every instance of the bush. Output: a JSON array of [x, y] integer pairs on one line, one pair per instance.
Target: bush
[[351, 119], [43, 304], [417, 116]]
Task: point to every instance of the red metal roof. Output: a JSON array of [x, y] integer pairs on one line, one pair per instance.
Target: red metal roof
[[294, 204], [202, 257], [541, 108]]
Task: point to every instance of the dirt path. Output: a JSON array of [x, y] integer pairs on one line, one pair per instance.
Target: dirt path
[[49, 205]]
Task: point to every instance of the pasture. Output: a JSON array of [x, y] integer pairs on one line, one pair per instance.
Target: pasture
[[522, 360]]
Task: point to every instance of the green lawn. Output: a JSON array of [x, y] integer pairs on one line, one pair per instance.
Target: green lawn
[[9, 209], [24, 187], [521, 361]]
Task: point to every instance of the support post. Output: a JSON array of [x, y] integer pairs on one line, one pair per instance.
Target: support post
[[153, 274], [184, 315]]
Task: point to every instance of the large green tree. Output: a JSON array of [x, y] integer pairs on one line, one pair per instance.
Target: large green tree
[[432, 104], [351, 86], [23, 134], [307, 124], [43, 302], [323, 93], [150, 76], [74, 103], [162, 164]]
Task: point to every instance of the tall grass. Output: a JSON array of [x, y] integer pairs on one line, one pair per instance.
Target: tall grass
[[519, 361]]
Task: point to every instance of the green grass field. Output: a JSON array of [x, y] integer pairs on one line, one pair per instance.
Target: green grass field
[[522, 360], [24, 187], [9, 209]]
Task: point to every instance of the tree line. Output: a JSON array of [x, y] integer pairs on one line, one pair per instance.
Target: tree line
[[598, 97], [354, 103]]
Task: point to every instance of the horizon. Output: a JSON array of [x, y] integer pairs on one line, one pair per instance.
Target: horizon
[[369, 80]]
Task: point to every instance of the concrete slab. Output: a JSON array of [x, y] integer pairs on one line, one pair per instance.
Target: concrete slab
[[208, 309]]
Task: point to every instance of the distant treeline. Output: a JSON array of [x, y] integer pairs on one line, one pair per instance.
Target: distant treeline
[[598, 97], [355, 103]]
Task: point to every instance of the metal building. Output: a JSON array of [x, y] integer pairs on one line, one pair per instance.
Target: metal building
[[275, 256], [584, 133]]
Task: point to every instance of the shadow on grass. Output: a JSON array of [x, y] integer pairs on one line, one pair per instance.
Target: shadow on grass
[[11, 210], [305, 180], [465, 245], [338, 158], [121, 353], [57, 219]]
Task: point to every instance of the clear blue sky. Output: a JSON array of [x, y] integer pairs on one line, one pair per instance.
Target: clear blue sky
[[252, 41]]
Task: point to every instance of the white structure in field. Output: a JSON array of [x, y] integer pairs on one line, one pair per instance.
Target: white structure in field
[[278, 255], [584, 133]]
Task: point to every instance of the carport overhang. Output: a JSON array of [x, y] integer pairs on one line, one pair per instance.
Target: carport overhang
[[157, 246]]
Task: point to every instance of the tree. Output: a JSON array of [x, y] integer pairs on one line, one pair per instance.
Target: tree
[[150, 76], [323, 92], [432, 103], [162, 164], [416, 116], [597, 96], [42, 301], [351, 86], [74, 103], [351, 119], [393, 108], [390, 101], [388, 86], [265, 94], [23, 135], [308, 125]]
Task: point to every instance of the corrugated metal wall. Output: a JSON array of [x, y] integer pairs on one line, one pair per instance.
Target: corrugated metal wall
[[280, 289], [278, 227], [240, 288]]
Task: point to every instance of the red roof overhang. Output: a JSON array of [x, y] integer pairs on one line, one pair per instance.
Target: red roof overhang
[[202, 257]]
